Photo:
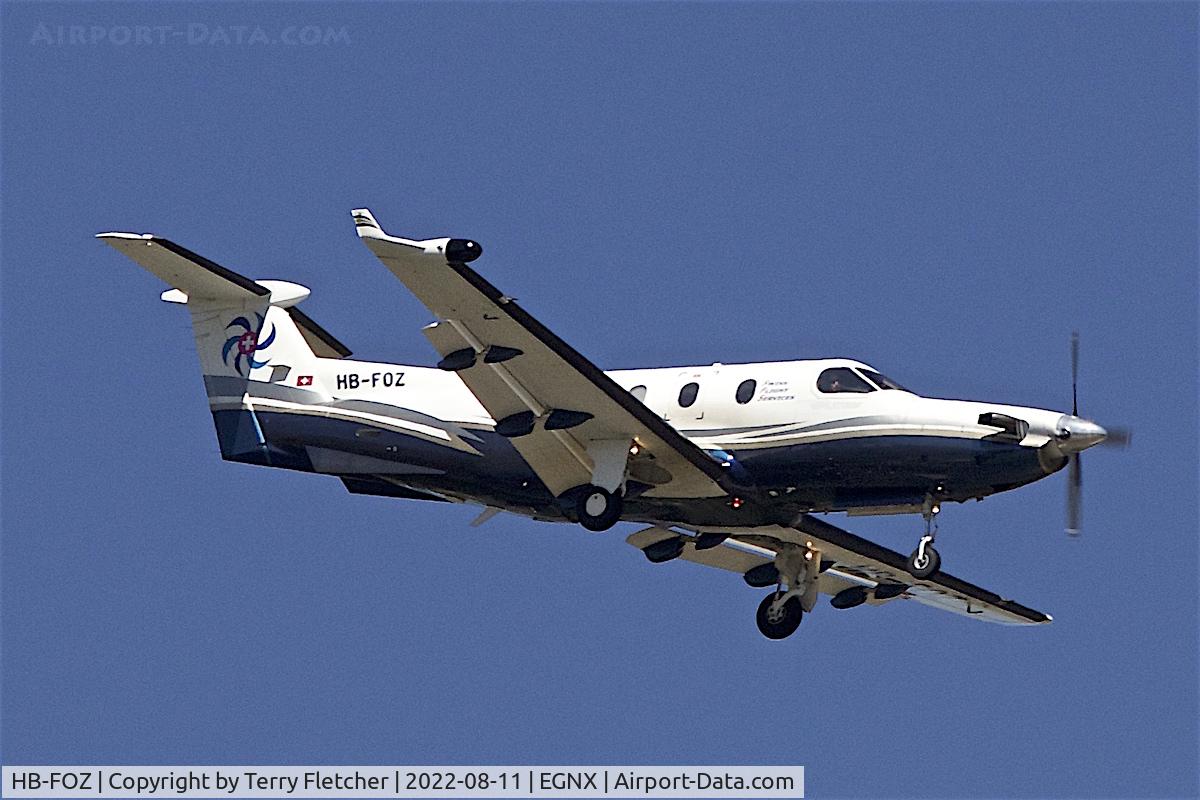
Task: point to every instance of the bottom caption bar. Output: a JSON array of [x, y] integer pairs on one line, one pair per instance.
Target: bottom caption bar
[[403, 782]]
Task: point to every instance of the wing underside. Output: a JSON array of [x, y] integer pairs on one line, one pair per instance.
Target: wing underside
[[848, 561]]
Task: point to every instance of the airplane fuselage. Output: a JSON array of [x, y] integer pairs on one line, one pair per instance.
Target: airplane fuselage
[[793, 438]]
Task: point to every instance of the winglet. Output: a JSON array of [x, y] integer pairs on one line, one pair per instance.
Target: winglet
[[369, 229], [380, 243], [384, 245], [364, 222]]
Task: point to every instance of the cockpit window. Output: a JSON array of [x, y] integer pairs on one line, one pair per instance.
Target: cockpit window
[[842, 379], [882, 381]]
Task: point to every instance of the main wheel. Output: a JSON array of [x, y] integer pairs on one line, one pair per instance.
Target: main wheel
[[597, 508], [926, 566], [779, 623]]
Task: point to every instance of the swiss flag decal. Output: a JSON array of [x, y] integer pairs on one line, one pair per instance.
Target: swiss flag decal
[[304, 380]]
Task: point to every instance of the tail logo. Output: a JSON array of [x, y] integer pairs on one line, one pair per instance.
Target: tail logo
[[243, 347]]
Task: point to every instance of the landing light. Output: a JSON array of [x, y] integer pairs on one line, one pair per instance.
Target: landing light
[[736, 502], [633, 451]]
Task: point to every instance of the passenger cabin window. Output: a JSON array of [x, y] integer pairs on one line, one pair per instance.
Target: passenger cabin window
[[745, 391], [882, 381], [639, 392], [687, 395], [842, 379]]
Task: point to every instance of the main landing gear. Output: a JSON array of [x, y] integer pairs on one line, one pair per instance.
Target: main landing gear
[[597, 508], [780, 612], [925, 561], [778, 615], [599, 503]]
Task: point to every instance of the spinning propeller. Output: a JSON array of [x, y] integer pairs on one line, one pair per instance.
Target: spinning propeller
[[1076, 435]]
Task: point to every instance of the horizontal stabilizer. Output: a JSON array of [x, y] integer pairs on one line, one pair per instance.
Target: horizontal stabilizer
[[191, 273], [197, 279]]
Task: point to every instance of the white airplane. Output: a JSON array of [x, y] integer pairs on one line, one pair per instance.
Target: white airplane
[[726, 463]]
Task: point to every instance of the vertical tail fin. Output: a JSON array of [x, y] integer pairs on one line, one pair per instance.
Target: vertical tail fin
[[248, 335]]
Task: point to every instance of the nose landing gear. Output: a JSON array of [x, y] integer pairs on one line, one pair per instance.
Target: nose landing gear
[[925, 561]]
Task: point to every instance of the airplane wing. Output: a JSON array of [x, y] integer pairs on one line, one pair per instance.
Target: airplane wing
[[322, 342], [559, 409], [847, 561]]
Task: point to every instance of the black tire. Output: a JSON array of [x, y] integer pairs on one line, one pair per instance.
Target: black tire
[[927, 567], [787, 623], [597, 509]]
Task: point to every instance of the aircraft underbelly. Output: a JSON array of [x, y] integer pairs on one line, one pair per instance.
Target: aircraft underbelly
[[489, 469], [890, 470]]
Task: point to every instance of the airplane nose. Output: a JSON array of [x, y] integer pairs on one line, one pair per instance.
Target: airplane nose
[[1076, 434]]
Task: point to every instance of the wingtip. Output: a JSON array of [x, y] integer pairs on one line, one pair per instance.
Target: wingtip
[[365, 223], [379, 240], [120, 235]]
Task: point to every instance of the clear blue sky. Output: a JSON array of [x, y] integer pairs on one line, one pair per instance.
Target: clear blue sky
[[944, 191]]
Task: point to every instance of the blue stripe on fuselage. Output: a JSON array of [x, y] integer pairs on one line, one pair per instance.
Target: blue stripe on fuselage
[[891, 470], [833, 475]]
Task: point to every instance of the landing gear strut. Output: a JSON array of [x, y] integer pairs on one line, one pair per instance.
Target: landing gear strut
[[780, 612], [597, 508], [925, 561], [598, 504]]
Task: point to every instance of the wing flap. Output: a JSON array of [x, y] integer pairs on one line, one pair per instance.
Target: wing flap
[[731, 559], [855, 562], [865, 559]]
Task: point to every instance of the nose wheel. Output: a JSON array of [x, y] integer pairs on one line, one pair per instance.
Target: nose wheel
[[925, 561]]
